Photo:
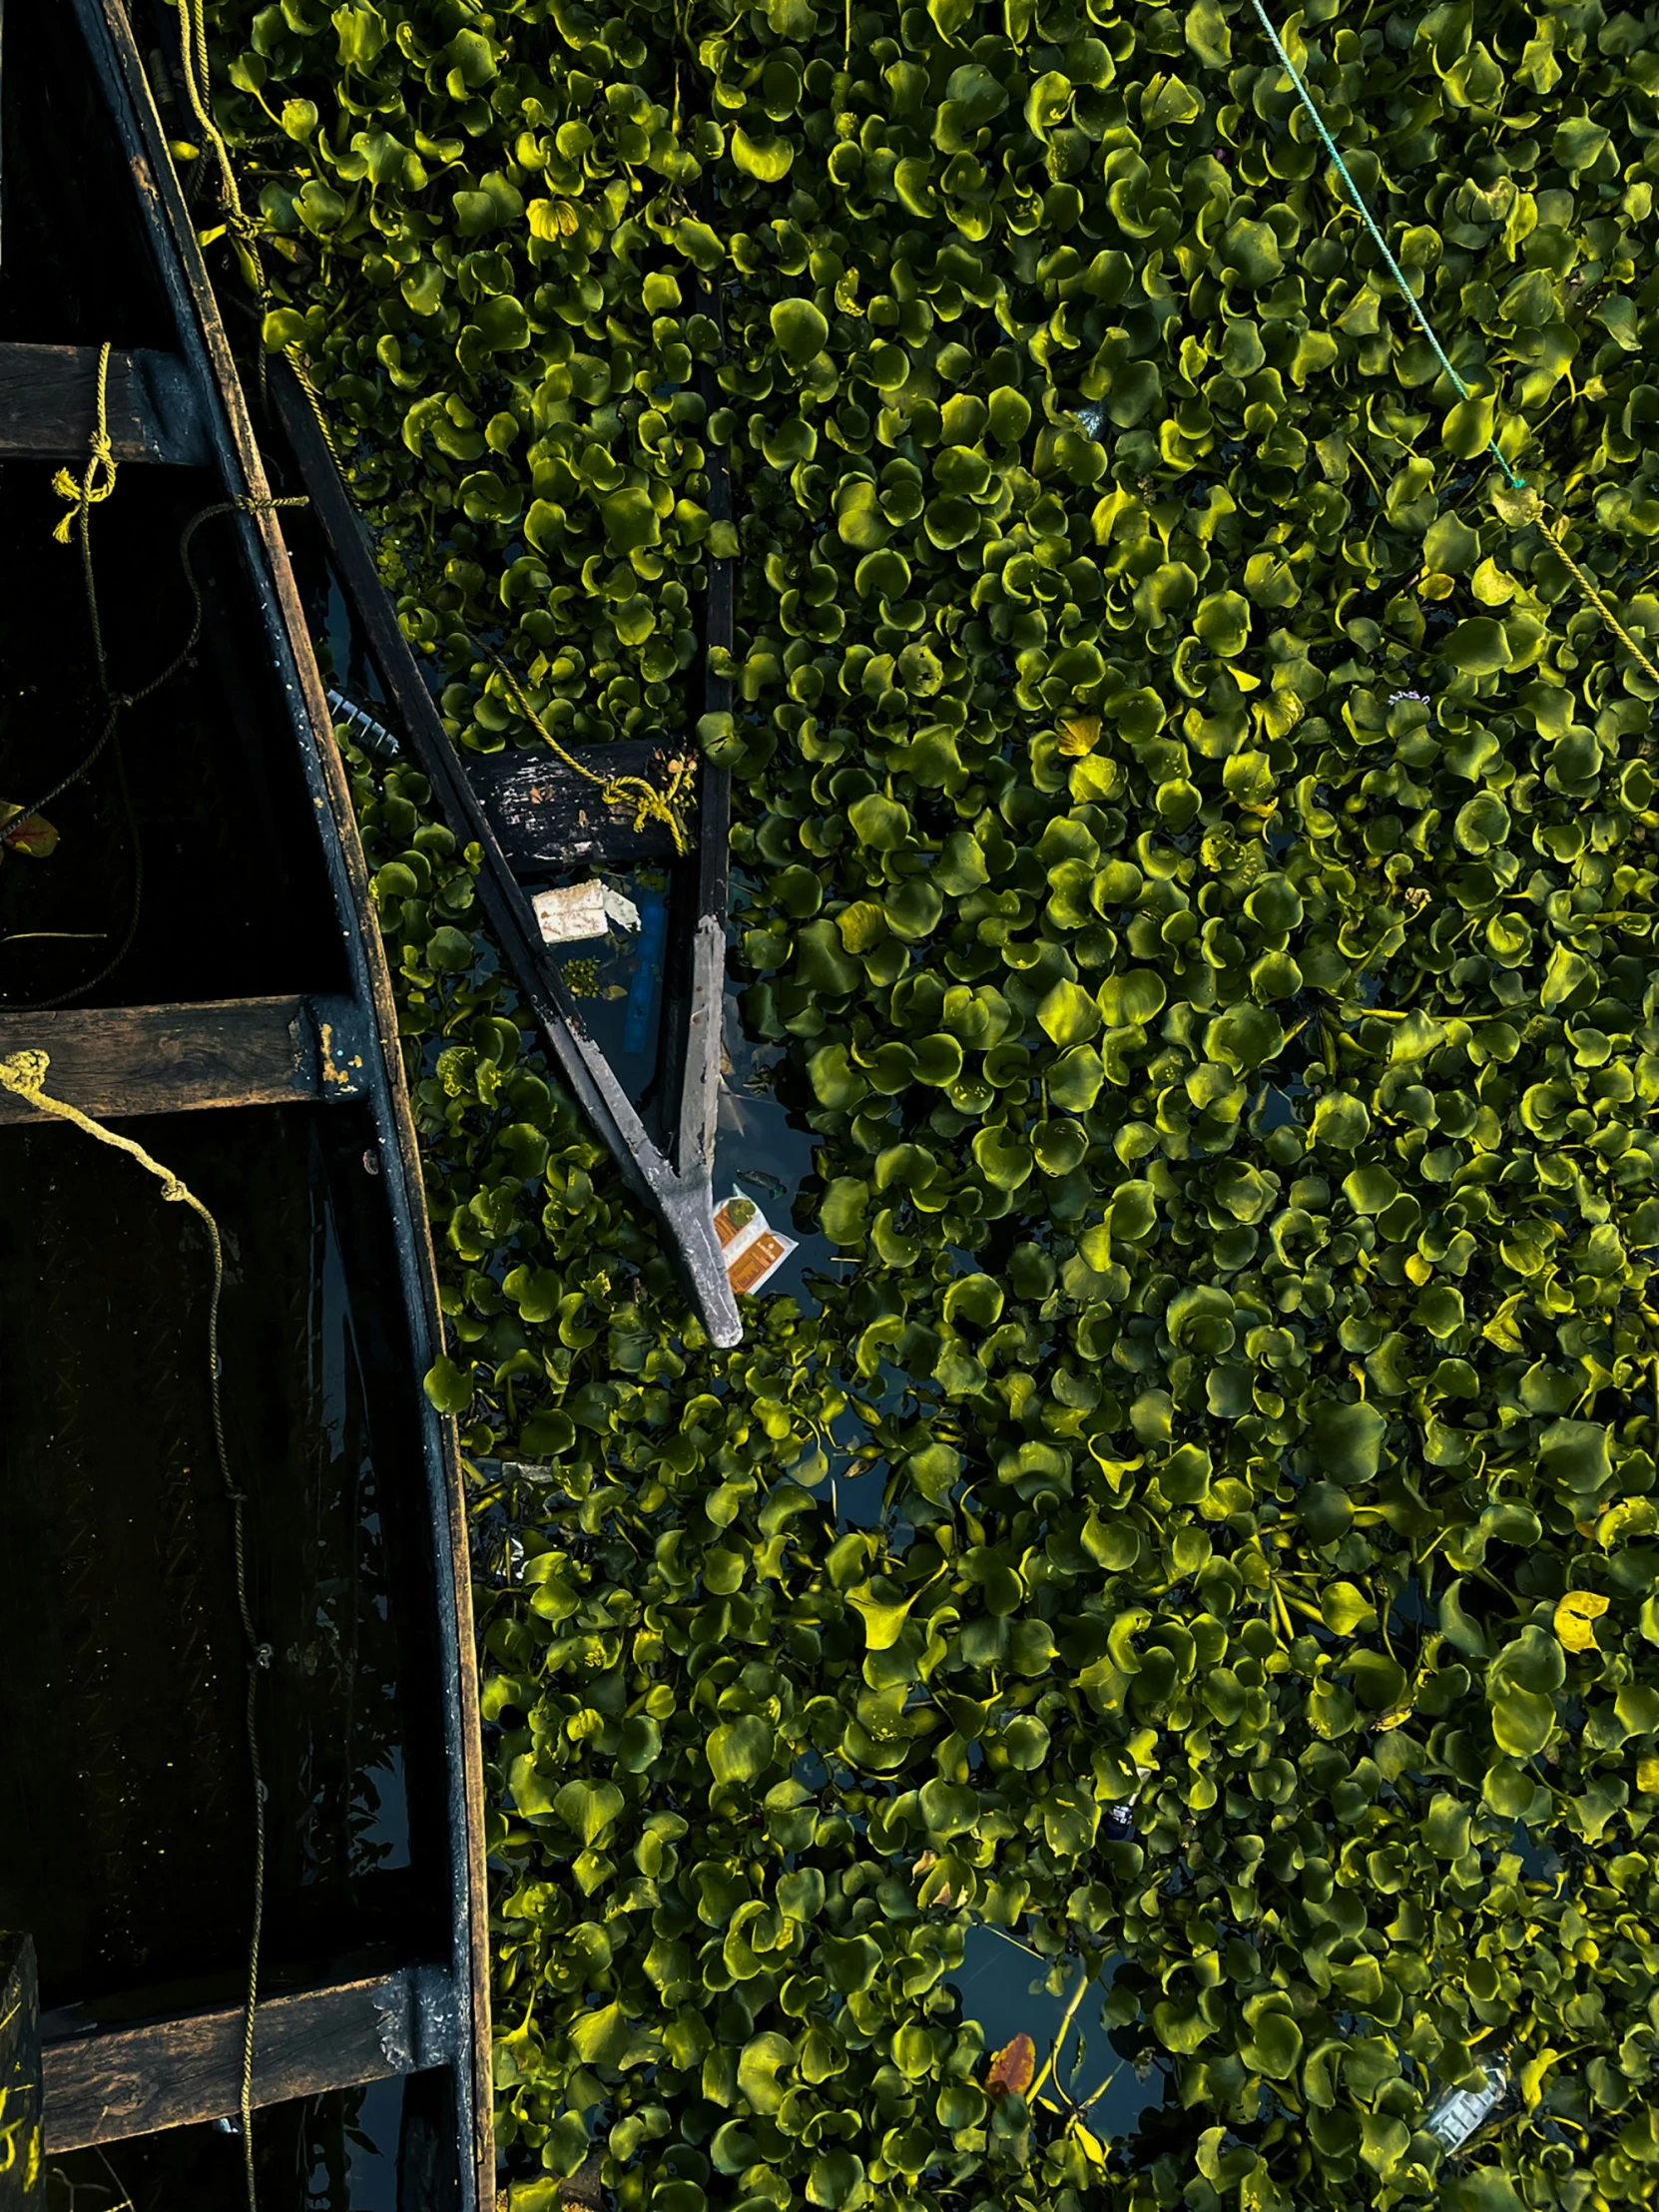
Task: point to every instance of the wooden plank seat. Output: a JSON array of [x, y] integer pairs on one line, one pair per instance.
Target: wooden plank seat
[[49, 407], [173, 1059], [178, 2072]]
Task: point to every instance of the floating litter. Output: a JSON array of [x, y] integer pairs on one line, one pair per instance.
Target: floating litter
[[1461, 2111], [579, 911], [753, 1250]]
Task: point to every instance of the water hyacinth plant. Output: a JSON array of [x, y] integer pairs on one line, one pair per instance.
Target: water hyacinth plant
[[1195, 846]]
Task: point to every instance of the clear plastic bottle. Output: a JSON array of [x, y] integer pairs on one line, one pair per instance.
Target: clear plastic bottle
[[1461, 2112]]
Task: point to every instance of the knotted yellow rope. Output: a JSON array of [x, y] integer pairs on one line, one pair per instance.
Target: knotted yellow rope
[[97, 484], [648, 802], [24, 1076], [1587, 586]]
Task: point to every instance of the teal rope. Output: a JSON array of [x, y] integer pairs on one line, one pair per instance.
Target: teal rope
[[1517, 484]]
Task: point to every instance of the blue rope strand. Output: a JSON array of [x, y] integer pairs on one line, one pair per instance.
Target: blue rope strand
[[1517, 484]]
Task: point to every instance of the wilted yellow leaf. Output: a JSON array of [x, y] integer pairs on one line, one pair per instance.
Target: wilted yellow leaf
[[1012, 2067], [21, 833], [1576, 1616], [1079, 734]]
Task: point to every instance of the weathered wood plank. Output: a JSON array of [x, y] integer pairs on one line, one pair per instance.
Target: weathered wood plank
[[176, 1059], [22, 2159], [546, 816], [49, 405], [175, 2072]]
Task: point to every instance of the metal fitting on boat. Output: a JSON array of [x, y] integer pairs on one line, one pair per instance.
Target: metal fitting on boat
[[374, 738]]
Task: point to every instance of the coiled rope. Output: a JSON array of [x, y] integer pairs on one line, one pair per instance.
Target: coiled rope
[[648, 802], [24, 1076], [1515, 482]]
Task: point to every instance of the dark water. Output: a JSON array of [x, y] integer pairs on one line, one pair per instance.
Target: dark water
[[125, 1783], [617, 981], [384, 2149], [1003, 1987], [763, 1151]]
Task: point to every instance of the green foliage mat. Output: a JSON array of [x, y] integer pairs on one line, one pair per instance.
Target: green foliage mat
[[1196, 850]]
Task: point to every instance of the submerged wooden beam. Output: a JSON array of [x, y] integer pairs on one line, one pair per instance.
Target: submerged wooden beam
[[175, 1059], [49, 405], [546, 816], [179, 2073]]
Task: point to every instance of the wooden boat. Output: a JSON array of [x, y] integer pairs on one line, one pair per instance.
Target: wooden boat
[[648, 1077], [199, 961]]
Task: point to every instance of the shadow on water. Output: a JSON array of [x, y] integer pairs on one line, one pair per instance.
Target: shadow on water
[[1004, 1987], [382, 2148], [763, 1151]]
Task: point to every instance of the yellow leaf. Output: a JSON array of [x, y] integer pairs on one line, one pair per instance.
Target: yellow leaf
[[1575, 1618], [1079, 734], [1647, 1776], [1502, 1329], [1632, 1516], [1532, 2076], [1092, 2145]]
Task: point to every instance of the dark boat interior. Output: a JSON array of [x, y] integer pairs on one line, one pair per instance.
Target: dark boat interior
[[125, 1788], [200, 806]]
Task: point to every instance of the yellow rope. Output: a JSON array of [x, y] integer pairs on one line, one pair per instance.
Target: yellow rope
[[1588, 588], [648, 802], [99, 480], [24, 1076], [198, 73]]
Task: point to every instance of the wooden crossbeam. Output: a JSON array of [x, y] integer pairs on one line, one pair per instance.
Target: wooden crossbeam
[[172, 1060], [49, 407], [178, 2072]]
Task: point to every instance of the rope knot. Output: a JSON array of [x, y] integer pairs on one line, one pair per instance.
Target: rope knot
[[99, 481], [25, 1074], [649, 803]]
